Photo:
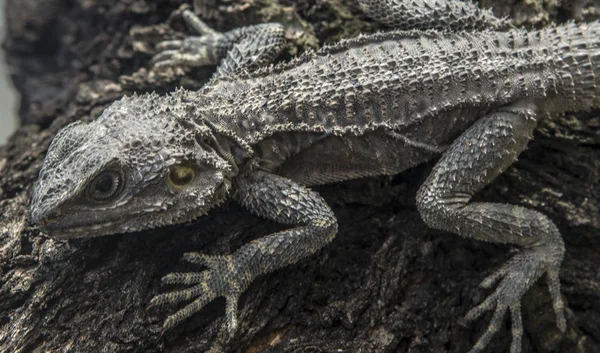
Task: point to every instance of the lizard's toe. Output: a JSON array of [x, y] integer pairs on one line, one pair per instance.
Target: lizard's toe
[[179, 295], [169, 45], [185, 278], [516, 328], [189, 310], [557, 302], [493, 327], [496, 323], [163, 56]]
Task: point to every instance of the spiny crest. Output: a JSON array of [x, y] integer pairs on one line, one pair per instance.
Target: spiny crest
[[326, 51], [141, 119]]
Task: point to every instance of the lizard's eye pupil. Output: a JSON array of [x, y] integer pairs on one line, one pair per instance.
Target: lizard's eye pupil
[[106, 186], [181, 175]]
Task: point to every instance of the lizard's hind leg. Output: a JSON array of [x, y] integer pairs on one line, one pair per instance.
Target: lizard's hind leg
[[244, 48], [432, 14], [480, 154]]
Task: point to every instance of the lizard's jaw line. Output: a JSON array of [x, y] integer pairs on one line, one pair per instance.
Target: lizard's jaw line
[[118, 226], [79, 232]]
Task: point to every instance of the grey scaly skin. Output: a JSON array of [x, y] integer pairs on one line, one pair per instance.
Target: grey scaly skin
[[373, 105]]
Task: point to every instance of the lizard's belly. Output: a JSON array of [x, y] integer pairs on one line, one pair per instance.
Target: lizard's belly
[[315, 158], [338, 158]]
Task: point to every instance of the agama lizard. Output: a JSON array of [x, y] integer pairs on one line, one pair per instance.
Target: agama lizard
[[451, 82]]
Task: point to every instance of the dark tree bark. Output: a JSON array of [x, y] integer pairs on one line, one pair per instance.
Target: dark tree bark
[[386, 284]]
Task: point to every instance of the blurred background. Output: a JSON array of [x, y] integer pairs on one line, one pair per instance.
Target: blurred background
[[8, 107]]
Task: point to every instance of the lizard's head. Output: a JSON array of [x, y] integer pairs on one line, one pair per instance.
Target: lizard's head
[[142, 164]]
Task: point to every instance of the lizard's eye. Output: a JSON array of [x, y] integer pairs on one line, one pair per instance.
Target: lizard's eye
[[105, 186], [181, 175]]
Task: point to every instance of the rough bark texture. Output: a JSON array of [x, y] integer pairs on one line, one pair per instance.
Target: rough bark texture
[[386, 284]]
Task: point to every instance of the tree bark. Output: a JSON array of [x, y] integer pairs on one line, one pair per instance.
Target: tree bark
[[387, 283]]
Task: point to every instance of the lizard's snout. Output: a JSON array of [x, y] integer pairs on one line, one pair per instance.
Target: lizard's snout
[[39, 217]]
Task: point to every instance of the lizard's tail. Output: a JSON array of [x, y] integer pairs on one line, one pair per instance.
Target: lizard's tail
[[577, 46]]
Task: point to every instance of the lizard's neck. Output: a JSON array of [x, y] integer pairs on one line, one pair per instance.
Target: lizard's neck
[[197, 113], [231, 147]]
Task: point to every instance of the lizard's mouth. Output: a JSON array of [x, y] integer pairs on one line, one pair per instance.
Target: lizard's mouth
[[95, 224], [56, 230], [80, 227]]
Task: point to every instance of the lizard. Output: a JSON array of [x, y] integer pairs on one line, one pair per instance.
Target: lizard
[[451, 83]]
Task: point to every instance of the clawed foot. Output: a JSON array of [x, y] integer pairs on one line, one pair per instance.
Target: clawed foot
[[206, 49], [515, 278], [222, 279]]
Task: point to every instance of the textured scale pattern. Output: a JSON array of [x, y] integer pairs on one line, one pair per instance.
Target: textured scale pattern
[[432, 14], [366, 83], [456, 83]]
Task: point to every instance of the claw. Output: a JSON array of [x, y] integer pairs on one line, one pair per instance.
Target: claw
[[157, 301]]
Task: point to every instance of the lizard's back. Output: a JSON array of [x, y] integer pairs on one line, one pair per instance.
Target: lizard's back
[[392, 100]]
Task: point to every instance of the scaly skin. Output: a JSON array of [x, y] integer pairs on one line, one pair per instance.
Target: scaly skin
[[372, 105]]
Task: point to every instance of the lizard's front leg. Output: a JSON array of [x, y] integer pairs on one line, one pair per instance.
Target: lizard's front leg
[[244, 48], [479, 155], [272, 197]]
